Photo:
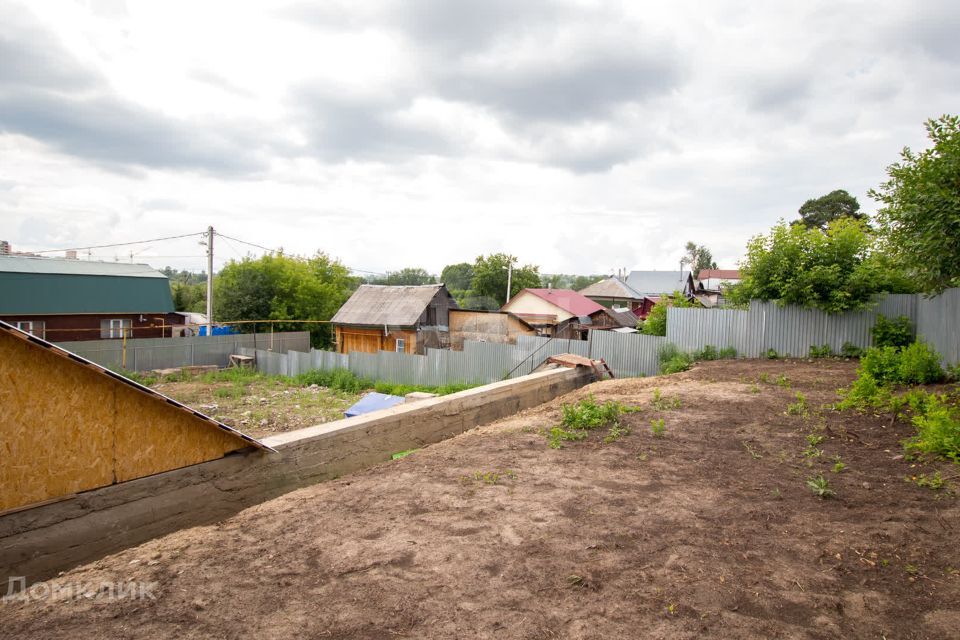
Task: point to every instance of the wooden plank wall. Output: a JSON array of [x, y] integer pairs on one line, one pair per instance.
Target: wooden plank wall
[[350, 339], [65, 428]]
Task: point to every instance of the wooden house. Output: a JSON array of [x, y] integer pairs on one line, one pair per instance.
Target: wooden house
[[561, 313], [66, 299], [406, 319], [486, 326]]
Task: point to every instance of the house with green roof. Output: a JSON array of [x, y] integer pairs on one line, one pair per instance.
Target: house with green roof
[[63, 300]]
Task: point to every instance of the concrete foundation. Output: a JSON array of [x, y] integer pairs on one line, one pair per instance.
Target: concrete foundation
[[39, 542]]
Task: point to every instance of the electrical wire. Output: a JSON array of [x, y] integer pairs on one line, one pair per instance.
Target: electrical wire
[[122, 244]]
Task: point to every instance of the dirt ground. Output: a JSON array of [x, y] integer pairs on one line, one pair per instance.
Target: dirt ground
[[261, 406], [706, 531]]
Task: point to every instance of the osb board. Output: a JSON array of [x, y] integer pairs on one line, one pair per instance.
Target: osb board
[[65, 428]]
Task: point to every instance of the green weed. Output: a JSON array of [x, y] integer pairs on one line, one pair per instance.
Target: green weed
[[798, 408], [820, 487], [658, 428], [783, 381], [660, 403]]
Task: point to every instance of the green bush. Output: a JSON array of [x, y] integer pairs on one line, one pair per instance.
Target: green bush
[[728, 353], [772, 354], [919, 364], [672, 359], [881, 363], [938, 429], [709, 352], [892, 333], [850, 350], [823, 351]]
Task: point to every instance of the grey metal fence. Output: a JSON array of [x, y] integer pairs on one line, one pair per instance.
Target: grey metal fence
[[479, 362], [143, 354], [793, 330]]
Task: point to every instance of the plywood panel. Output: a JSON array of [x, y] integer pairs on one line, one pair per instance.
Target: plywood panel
[[66, 428]]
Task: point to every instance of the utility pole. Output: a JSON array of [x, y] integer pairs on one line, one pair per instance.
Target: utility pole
[[509, 279], [209, 281]]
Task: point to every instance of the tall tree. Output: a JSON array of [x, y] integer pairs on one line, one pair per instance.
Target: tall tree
[[698, 258], [490, 276], [819, 212], [280, 287], [457, 277], [920, 213], [410, 276], [837, 269]]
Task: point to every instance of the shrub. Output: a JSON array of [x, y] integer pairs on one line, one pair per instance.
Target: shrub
[[864, 393], [919, 364], [673, 359], [850, 350], [728, 353], [892, 333], [823, 351], [772, 354], [709, 352], [881, 363], [938, 429]]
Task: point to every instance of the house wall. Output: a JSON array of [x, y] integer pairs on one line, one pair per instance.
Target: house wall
[[483, 326], [525, 303], [71, 328], [66, 428], [371, 340]]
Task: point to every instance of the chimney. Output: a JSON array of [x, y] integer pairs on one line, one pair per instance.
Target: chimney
[[4, 248], [71, 255]]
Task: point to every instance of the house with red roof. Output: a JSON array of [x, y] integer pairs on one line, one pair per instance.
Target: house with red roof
[[562, 313]]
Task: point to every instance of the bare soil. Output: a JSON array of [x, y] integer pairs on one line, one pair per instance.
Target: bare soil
[[707, 531]]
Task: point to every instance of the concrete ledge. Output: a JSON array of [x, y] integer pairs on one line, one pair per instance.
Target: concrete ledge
[[39, 542]]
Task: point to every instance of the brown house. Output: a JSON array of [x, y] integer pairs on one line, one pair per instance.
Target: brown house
[[486, 326], [406, 319], [66, 299]]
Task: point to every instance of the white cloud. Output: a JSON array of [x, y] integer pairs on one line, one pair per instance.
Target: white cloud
[[581, 136]]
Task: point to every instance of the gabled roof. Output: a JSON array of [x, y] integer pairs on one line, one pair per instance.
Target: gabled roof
[[568, 300], [612, 287], [50, 286], [723, 274], [377, 305], [624, 318], [653, 283], [61, 266]]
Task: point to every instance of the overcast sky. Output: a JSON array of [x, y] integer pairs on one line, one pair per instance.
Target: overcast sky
[[579, 136]]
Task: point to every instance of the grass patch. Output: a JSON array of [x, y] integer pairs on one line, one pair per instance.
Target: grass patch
[[658, 428], [587, 415], [820, 487]]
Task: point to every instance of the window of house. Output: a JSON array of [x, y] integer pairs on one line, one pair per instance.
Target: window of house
[[401, 345], [33, 327], [116, 328]]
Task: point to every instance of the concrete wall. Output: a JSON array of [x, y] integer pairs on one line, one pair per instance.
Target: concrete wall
[[41, 541]]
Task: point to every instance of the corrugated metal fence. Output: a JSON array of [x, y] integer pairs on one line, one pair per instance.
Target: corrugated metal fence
[[793, 330], [144, 354], [480, 362]]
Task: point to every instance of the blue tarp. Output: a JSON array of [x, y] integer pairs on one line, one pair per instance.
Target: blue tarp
[[218, 331], [373, 401]]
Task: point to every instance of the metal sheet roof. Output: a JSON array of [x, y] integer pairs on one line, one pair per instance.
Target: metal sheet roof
[[653, 283], [568, 300], [26, 264], [377, 305], [612, 287]]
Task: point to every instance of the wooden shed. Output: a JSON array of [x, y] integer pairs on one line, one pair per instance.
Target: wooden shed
[[68, 425], [486, 326], [407, 319]]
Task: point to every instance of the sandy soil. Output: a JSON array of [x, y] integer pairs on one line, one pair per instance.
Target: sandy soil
[[707, 531]]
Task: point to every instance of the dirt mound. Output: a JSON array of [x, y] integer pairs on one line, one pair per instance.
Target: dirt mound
[[709, 529]]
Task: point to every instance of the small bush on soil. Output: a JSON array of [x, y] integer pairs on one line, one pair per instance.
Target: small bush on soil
[[823, 351], [772, 354], [820, 487], [673, 359], [850, 350], [798, 408], [934, 481], [728, 353], [892, 333], [914, 364], [783, 381], [938, 428], [709, 352], [658, 428], [660, 403], [584, 416], [838, 464]]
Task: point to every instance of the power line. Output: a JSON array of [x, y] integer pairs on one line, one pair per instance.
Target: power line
[[245, 242], [122, 244]]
